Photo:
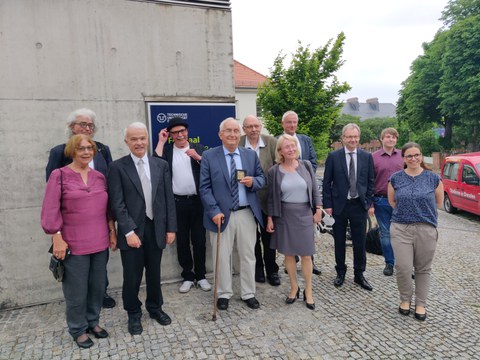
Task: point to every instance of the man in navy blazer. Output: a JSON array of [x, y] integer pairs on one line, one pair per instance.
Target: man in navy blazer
[[141, 198], [229, 177], [82, 121], [307, 152], [348, 185]]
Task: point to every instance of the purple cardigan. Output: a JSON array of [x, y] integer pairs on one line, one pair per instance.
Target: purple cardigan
[[79, 211]]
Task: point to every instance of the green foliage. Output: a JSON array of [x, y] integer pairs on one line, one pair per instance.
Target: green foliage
[[443, 88], [428, 140], [307, 86]]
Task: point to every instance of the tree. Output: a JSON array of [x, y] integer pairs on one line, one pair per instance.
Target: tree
[[370, 128], [458, 10], [309, 87]]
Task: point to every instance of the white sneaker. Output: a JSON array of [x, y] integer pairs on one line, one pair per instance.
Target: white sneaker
[[186, 286], [204, 285]]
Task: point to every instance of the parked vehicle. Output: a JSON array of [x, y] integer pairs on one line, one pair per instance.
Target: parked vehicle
[[461, 180]]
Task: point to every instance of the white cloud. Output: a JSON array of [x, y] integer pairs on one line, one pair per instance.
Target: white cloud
[[382, 37]]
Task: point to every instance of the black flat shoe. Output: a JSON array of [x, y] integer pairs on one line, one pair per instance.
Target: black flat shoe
[[252, 303], [316, 270], [102, 334], [222, 304], [290, 301], [339, 280], [421, 317], [108, 301], [273, 279], [161, 317], [404, 312], [360, 280], [84, 344], [135, 326]]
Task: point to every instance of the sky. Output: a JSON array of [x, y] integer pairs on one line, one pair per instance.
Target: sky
[[383, 37]]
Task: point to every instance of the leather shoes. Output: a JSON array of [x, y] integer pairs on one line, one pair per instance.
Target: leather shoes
[[108, 302], [134, 326], [360, 280], [161, 317], [84, 344], [222, 304], [260, 277], [421, 317], [339, 280], [252, 303], [102, 334], [388, 271], [316, 271], [273, 279]]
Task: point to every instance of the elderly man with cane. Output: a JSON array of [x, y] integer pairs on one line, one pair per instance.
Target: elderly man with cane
[[229, 177]]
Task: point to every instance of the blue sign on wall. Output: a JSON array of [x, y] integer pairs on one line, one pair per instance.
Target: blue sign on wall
[[203, 120]]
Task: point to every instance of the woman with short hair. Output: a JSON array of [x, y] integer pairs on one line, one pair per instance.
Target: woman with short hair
[[74, 212]]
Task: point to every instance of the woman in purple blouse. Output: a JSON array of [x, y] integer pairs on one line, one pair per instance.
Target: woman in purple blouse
[[74, 212]]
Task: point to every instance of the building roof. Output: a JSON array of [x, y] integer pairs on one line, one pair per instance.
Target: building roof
[[245, 77], [372, 108]]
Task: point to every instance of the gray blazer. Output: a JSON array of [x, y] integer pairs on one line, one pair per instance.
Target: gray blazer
[[275, 177], [127, 201]]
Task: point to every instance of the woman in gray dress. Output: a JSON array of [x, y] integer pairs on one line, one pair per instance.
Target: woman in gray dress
[[292, 196]]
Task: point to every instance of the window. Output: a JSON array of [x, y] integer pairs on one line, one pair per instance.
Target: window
[[468, 175], [450, 171]]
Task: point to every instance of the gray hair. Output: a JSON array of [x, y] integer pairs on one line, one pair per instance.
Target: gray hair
[[351, 126], [72, 117], [289, 112], [222, 124], [134, 125]]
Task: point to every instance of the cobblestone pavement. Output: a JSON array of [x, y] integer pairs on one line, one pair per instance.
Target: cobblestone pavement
[[348, 323]]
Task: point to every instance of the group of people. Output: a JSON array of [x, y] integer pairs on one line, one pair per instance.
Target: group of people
[[257, 191]]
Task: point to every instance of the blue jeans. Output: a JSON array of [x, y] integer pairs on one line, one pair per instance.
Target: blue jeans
[[383, 214]]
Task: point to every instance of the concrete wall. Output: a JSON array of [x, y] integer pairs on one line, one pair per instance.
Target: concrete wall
[[107, 55]]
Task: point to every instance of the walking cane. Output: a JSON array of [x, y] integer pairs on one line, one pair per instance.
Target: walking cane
[[215, 285]]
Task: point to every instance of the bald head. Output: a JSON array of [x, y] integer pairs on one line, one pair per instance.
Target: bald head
[[252, 127]]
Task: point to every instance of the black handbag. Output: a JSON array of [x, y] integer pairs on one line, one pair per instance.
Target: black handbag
[[56, 266]]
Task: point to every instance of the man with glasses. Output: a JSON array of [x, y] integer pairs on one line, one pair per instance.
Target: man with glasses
[[386, 161], [264, 146], [229, 177], [184, 160], [347, 195], [82, 121]]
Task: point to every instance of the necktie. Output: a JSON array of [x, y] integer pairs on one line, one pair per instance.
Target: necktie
[[352, 179], [147, 188], [233, 182]]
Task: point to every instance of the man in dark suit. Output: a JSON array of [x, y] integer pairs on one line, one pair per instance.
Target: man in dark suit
[[141, 198], [348, 185], [264, 146], [82, 121], [229, 177], [307, 152], [184, 161]]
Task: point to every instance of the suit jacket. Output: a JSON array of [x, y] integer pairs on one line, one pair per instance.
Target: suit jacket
[[267, 160], [336, 183], [127, 201], [308, 151], [168, 156], [57, 159], [275, 177], [215, 188]]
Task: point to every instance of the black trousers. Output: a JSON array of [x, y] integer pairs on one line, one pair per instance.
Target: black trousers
[[356, 214], [134, 260], [268, 258], [190, 229]]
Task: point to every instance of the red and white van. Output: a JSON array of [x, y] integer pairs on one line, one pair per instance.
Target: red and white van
[[461, 180]]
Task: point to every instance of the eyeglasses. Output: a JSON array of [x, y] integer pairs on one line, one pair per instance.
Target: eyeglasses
[[229, 131], [84, 148], [85, 125], [354, 137], [178, 132], [410, 157], [249, 127]]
